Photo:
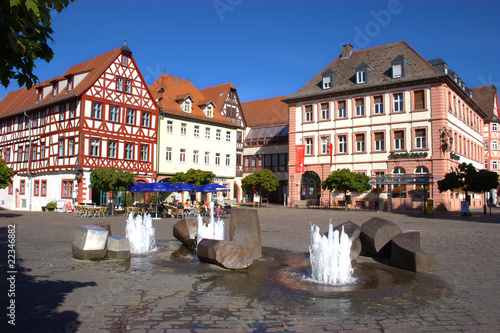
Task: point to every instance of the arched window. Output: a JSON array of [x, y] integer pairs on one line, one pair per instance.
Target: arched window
[[399, 171], [421, 170]]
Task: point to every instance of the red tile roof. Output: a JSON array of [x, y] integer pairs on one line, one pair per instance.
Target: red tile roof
[[485, 98], [22, 100], [269, 111], [175, 88], [218, 93]]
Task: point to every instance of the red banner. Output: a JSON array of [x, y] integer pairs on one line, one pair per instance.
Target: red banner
[[299, 158], [331, 154]]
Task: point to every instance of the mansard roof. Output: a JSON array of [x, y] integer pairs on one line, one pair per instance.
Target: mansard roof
[[269, 111], [379, 58], [22, 100], [175, 87], [486, 97]]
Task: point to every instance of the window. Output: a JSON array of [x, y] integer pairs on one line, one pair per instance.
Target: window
[[228, 159], [61, 148], [207, 157], [71, 147], [26, 153], [228, 136], [341, 109], [308, 115], [67, 190], [125, 61], [22, 187], [183, 129], [218, 134], [72, 110], [379, 141], [112, 149], [494, 165], [129, 151], [70, 84], [182, 155], [486, 164], [94, 147], [399, 140], [130, 117], [486, 145], [397, 70], [119, 84], [326, 82], [7, 156], [342, 141], [422, 170], [96, 110], [210, 111], [360, 143], [217, 158], [42, 119], [360, 77], [128, 86], [420, 139], [197, 130], [144, 153], [309, 146], [114, 113], [378, 105], [20, 154], [62, 113], [146, 119], [325, 111], [207, 133], [325, 145], [44, 188], [54, 89], [360, 107], [494, 145], [168, 154], [418, 100], [399, 171], [42, 151], [398, 102], [196, 154], [170, 126], [494, 127], [36, 190], [187, 105]]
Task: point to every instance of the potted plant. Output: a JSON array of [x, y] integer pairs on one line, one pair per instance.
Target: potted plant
[[51, 206]]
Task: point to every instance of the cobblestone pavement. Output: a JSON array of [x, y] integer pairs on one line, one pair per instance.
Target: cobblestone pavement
[[170, 291]]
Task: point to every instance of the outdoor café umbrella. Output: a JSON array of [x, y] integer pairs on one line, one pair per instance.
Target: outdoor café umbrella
[[211, 188], [153, 187], [184, 187]]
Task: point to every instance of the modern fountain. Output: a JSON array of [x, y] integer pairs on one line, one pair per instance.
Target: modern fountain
[[215, 229], [140, 233], [330, 257]]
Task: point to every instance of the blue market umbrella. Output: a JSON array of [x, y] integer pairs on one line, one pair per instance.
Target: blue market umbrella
[[184, 187], [137, 187], [152, 187], [211, 188]]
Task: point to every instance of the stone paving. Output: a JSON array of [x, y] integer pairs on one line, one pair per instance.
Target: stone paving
[[56, 293]]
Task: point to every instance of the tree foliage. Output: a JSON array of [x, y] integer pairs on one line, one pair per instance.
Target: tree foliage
[[195, 177], [344, 180], [466, 178], [111, 179], [6, 174], [24, 37], [263, 180]]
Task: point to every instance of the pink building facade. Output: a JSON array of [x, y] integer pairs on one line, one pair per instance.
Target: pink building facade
[[388, 113]]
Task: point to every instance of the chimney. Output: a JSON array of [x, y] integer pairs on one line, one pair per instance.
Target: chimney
[[346, 51]]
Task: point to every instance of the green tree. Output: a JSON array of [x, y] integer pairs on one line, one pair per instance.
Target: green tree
[[344, 180], [24, 37], [6, 174], [195, 177], [466, 178], [111, 180], [263, 180]]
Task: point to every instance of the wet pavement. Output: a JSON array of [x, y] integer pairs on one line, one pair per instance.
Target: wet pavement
[[171, 291]]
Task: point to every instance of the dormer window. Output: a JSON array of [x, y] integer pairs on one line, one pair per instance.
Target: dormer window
[[210, 111], [187, 105], [362, 73], [39, 92], [125, 61], [399, 66], [329, 77], [70, 84], [54, 89]]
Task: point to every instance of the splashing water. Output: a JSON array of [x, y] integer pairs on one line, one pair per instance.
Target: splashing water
[[140, 233], [329, 256], [213, 230]]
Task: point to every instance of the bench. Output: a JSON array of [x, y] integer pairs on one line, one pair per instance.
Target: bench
[[301, 203]]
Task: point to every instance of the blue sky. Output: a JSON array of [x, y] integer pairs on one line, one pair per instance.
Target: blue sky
[[269, 48]]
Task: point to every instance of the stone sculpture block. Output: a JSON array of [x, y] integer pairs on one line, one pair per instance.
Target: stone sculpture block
[[118, 247], [244, 229], [185, 231], [406, 253], [353, 231], [376, 235], [105, 226], [89, 242], [227, 254]]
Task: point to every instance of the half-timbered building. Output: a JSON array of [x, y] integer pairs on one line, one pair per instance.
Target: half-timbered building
[[390, 114], [99, 113]]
